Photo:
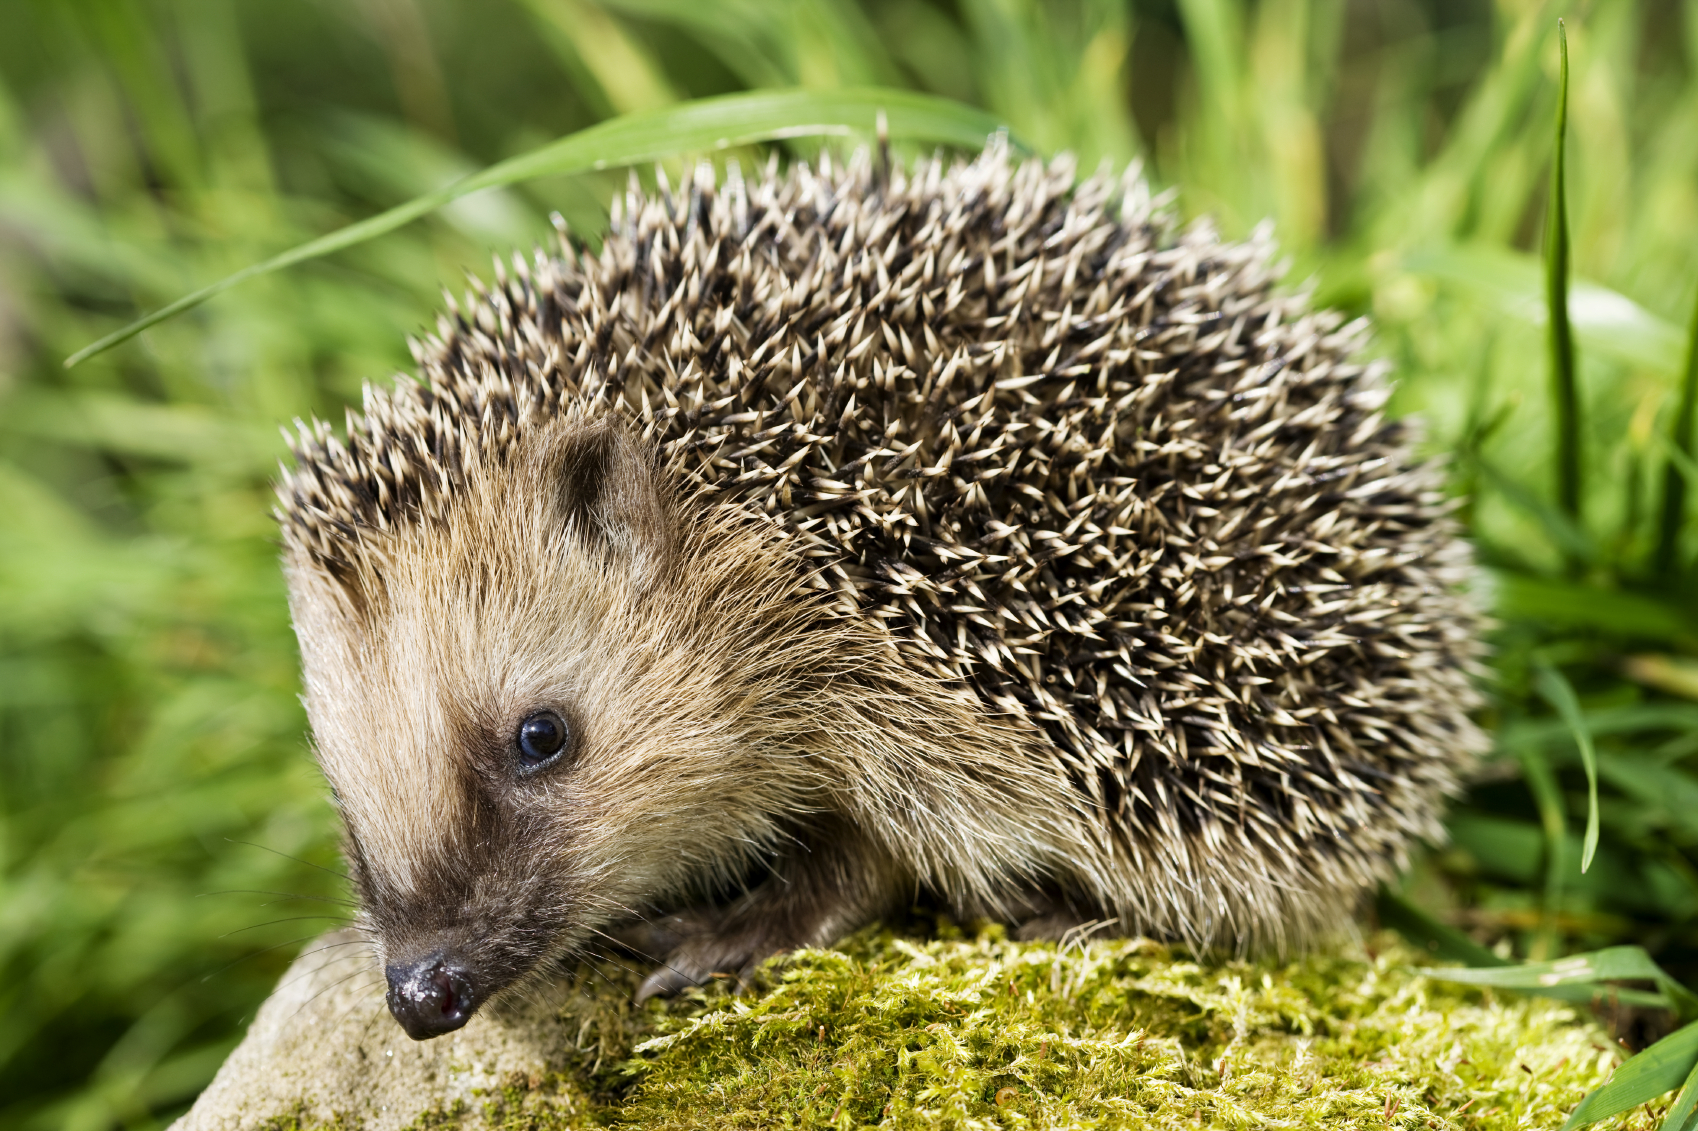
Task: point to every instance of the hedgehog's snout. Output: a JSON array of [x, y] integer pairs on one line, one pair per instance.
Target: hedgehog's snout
[[435, 995]]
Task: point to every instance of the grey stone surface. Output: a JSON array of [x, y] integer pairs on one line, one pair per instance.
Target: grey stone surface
[[323, 1050]]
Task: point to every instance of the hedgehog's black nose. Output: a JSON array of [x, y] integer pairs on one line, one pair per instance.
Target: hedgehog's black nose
[[432, 996]]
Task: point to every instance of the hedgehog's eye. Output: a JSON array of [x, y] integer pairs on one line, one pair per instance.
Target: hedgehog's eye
[[541, 738]]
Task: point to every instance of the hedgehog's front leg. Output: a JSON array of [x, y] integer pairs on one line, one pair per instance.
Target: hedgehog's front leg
[[830, 881]]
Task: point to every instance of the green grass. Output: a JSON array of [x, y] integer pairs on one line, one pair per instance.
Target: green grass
[[153, 766]]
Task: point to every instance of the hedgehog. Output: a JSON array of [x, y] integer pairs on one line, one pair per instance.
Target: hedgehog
[[858, 533]]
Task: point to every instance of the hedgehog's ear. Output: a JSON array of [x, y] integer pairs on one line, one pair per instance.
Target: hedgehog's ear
[[613, 497]]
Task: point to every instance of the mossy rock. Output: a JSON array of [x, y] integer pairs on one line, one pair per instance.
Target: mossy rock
[[948, 1031]]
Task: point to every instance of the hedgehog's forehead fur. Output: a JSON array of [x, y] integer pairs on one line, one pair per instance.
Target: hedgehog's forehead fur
[[1016, 436]]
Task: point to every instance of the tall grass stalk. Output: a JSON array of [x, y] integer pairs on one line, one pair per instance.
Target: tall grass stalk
[[1565, 397], [709, 125]]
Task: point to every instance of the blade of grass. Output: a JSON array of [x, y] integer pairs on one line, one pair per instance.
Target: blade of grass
[[1674, 475], [1215, 173], [749, 39], [1660, 1069], [1596, 968], [1605, 721], [705, 124], [1289, 74], [1559, 604], [1447, 942], [1682, 462], [1563, 391], [1059, 90], [1673, 674], [1439, 200], [614, 71], [140, 59], [1557, 691], [1656, 786], [1682, 1115]]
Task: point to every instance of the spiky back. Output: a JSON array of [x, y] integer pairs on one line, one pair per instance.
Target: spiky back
[[1094, 468]]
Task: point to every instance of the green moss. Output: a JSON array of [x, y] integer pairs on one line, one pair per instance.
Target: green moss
[[450, 1115], [989, 1033], [298, 1119], [980, 1032]]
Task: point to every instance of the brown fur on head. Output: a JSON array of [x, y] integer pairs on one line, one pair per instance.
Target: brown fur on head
[[551, 582]]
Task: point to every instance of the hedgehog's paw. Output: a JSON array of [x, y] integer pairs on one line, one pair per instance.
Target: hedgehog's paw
[[700, 946], [656, 936], [1057, 918], [835, 882], [1052, 927]]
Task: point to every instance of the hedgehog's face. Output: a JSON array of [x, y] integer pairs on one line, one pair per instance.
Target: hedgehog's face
[[526, 719]]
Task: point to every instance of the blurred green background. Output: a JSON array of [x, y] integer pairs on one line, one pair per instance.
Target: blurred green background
[[164, 839]]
